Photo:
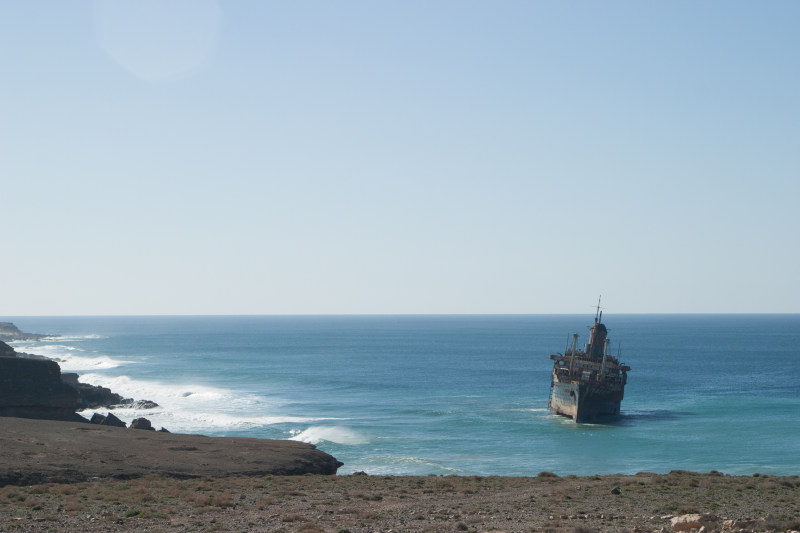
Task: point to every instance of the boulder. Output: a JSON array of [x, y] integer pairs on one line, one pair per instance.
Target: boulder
[[130, 403], [144, 404], [108, 420], [142, 423], [688, 522]]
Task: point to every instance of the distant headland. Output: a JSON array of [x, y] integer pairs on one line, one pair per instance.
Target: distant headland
[[10, 333]]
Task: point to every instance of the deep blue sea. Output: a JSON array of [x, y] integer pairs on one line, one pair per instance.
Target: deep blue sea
[[454, 394]]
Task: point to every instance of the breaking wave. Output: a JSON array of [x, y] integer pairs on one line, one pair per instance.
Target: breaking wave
[[335, 434], [193, 407], [72, 359]]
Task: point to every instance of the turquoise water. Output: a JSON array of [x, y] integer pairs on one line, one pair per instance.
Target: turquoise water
[[454, 394]]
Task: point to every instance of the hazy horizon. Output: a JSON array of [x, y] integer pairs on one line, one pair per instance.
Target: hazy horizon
[[198, 157]]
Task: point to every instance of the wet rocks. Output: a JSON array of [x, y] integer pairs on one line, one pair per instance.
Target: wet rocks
[[92, 396], [129, 403]]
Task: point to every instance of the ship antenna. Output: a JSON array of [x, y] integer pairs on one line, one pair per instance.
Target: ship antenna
[[597, 313]]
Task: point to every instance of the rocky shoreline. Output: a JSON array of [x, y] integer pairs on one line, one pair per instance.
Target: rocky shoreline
[[44, 439], [32, 386]]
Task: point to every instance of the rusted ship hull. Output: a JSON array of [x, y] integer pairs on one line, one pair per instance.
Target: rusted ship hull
[[585, 402]]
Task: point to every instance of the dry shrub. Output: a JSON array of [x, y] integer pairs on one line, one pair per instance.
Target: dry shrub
[[445, 486], [770, 486], [13, 496], [309, 527], [40, 489], [66, 490], [203, 500], [73, 505], [147, 498], [224, 500], [265, 502]]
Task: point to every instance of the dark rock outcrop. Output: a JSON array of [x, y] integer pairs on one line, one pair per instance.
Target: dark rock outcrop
[[107, 420], [142, 423], [6, 350], [95, 396], [32, 388], [10, 332], [92, 396], [138, 404]]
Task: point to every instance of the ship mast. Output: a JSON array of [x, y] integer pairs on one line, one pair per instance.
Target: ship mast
[[597, 335]]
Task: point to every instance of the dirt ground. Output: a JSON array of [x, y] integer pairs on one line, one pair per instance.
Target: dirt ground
[[361, 503], [34, 451]]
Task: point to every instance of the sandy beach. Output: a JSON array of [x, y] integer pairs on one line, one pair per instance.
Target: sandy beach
[[58, 476]]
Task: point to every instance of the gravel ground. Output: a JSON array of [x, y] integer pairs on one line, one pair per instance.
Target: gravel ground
[[362, 503]]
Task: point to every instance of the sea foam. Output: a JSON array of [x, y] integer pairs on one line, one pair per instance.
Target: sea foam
[[336, 434], [195, 408], [73, 359]]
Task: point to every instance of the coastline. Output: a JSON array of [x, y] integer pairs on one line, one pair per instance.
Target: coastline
[[44, 440]]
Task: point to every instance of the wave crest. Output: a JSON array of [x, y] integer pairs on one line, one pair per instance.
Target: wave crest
[[336, 434]]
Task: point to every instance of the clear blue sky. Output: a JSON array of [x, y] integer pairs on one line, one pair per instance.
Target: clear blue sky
[[202, 157]]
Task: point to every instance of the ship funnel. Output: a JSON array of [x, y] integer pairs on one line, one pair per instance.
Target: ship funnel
[[597, 339]]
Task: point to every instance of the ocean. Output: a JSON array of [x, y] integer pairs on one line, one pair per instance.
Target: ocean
[[461, 394]]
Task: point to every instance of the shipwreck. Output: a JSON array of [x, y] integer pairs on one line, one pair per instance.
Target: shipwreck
[[588, 384]]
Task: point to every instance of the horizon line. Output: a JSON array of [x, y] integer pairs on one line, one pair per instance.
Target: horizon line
[[132, 315]]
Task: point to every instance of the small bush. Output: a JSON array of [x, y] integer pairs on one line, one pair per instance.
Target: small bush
[[224, 500]]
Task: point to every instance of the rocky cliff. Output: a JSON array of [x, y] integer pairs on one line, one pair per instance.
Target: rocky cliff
[[32, 387], [10, 332]]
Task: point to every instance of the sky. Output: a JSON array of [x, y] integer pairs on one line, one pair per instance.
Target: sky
[[360, 157]]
